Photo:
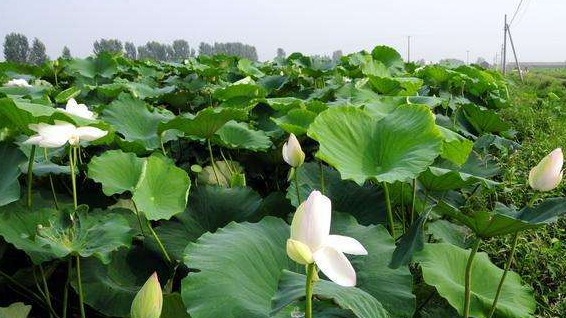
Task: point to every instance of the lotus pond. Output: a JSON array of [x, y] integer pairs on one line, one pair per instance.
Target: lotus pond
[[299, 187]]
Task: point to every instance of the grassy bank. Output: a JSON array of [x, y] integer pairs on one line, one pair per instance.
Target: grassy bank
[[539, 116]]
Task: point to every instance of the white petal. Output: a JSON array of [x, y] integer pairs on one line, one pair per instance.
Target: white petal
[[80, 110], [346, 245], [284, 152], [292, 152], [548, 173], [33, 140], [335, 266], [311, 223], [90, 133]]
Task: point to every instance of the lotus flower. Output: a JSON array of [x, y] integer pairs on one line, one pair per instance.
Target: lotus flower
[[54, 136], [80, 110], [292, 152], [149, 300], [548, 173], [20, 82], [311, 241]]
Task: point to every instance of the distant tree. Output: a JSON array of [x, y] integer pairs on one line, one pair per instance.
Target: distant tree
[[421, 62], [236, 48], [107, 45], [205, 49], [281, 53], [154, 51], [16, 48], [181, 50], [483, 63], [451, 62], [66, 54], [336, 55], [131, 51], [37, 55]]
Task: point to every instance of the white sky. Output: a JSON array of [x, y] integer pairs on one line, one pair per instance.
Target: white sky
[[439, 28]]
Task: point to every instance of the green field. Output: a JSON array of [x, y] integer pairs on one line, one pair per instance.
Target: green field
[[223, 183]]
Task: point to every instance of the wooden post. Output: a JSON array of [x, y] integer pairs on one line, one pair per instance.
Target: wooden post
[[504, 58], [515, 54]]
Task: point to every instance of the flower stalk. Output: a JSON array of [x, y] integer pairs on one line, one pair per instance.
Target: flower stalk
[[80, 286], [309, 289], [30, 175], [389, 210], [505, 271], [468, 277]]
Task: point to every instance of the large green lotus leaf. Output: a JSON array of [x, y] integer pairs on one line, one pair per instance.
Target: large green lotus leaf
[[391, 287], [237, 135], [398, 86], [213, 206], [365, 202], [176, 234], [132, 119], [239, 89], [455, 147], [10, 157], [116, 170], [443, 266], [173, 307], [94, 233], [296, 121], [292, 287], [505, 220], [285, 104], [445, 231], [111, 288], [102, 65], [246, 67], [205, 123], [389, 57], [19, 226], [244, 261], [273, 82], [162, 189], [15, 310], [442, 179], [395, 148], [484, 120]]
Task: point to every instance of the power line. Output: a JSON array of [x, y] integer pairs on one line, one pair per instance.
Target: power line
[[522, 15], [516, 11]]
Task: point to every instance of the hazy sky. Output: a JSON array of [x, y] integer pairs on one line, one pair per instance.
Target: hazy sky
[[438, 28]]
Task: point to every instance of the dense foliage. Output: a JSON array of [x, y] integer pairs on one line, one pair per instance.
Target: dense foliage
[[189, 182]]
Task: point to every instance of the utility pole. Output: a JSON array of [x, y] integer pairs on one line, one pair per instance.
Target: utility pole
[[515, 54], [504, 66], [467, 57], [408, 49]]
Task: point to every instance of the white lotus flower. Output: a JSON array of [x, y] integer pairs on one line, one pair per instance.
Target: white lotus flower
[[292, 152], [311, 241], [19, 82], [54, 136], [548, 173], [80, 110]]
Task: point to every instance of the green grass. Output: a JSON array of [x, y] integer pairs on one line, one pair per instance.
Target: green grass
[[540, 121]]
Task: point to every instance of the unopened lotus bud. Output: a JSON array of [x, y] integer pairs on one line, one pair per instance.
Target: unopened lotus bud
[[292, 152], [548, 173], [149, 300]]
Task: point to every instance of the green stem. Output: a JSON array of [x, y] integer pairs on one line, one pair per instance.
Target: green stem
[[80, 285], [308, 290], [389, 212], [161, 247], [66, 289], [403, 214], [506, 270], [212, 161], [296, 179], [161, 143], [413, 200], [468, 276], [322, 187], [51, 182], [73, 176], [30, 174], [46, 289]]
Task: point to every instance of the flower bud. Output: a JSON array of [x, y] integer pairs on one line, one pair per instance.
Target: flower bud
[[149, 300], [548, 173], [292, 152], [299, 252]]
